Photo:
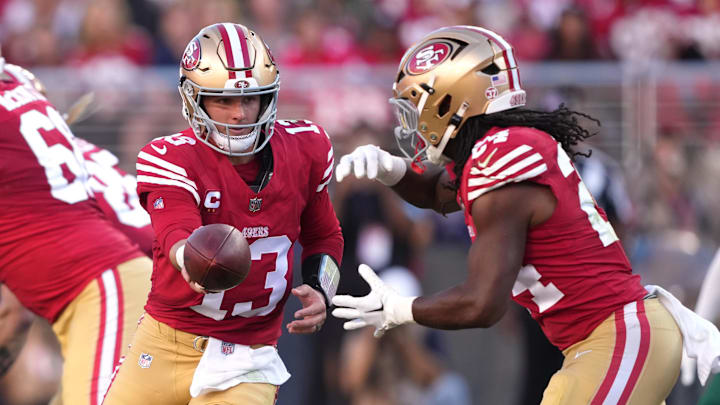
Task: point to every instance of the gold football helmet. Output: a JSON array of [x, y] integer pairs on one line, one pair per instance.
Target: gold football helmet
[[451, 74], [229, 59]]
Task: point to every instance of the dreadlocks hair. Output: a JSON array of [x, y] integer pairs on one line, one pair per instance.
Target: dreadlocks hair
[[562, 124]]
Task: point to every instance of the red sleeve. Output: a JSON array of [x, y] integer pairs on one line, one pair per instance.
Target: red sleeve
[[319, 228], [174, 215]]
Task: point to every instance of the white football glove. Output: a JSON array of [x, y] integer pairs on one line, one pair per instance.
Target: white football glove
[[372, 162], [383, 308]]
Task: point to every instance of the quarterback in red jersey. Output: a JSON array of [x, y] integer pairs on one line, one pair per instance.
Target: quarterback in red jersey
[[58, 253], [236, 165], [537, 235]]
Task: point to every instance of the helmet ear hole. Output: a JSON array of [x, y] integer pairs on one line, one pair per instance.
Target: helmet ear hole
[[493, 69], [444, 106]]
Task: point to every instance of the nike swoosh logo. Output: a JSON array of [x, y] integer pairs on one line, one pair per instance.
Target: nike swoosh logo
[[486, 161], [578, 354], [161, 151]]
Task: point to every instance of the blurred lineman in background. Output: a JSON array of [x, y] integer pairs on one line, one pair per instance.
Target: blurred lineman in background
[[59, 254], [537, 233], [235, 165]]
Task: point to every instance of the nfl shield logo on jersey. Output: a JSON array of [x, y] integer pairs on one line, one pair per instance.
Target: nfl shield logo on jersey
[[159, 204], [145, 360], [255, 204], [227, 348]]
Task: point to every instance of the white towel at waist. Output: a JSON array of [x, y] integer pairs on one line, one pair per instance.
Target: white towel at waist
[[224, 365], [701, 339]]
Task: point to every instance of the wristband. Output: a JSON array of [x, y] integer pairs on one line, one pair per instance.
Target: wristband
[[180, 257], [321, 272]]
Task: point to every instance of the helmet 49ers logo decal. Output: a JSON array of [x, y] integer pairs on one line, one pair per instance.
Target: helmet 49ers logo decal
[[427, 57], [191, 57]]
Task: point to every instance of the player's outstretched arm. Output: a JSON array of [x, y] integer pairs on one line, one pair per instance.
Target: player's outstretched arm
[[432, 189], [502, 218]]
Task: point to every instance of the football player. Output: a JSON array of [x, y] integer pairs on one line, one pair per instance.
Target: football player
[[537, 234], [59, 254], [236, 164]]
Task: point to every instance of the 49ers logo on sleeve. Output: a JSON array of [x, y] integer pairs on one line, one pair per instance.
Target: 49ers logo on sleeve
[[191, 57], [428, 57]]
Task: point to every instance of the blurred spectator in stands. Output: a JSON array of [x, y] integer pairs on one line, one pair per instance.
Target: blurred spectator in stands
[[107, 35], [316, 41], [40, 32], [271, 15], [571, 39], [400, 368], [177, 24]]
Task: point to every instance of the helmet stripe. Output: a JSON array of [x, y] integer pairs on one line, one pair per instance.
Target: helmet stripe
[[228, 49], [242, 32], [508, 55]]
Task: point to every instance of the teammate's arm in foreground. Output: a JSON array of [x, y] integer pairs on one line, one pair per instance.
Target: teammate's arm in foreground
[[432, 189]]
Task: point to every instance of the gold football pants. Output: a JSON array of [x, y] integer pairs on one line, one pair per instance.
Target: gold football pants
[[159, 369], [631, 358], [94, 330]]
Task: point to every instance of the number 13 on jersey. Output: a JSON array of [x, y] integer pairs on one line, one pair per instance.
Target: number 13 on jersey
[[274, 281]]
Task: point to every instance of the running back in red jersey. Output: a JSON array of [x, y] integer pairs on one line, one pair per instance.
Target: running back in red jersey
[[572, 276]]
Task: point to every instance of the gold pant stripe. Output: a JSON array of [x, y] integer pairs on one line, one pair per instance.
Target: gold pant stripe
[[95, 328], [632, 342], [631, 358]]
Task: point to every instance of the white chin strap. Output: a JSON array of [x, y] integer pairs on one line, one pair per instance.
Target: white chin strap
[[234, 144]]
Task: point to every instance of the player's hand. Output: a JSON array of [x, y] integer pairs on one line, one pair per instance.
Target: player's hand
[[688, 369], [372, 162], [311, 317], [193, 285], [383, 308]]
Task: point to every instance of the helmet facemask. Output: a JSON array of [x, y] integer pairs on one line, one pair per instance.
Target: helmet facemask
[[208, 130]]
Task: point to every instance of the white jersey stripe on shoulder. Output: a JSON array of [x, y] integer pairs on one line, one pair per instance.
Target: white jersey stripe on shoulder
[[633, 337], [503, 161], [478, 181], [323, 185], [167, 182], [520, 165], [165, 173], [110, 333], [329, 168], [472, 195], [330, 154], [162, 163]]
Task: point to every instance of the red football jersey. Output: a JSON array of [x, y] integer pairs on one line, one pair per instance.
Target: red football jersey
[[53, 237], [116, 193], [184, 184], [575, 272]]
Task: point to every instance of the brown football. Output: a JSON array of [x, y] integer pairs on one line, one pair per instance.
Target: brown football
[[217, 257]]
